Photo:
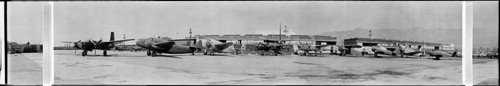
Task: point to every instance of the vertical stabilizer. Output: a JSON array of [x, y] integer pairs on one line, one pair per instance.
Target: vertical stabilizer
[[112, 38]]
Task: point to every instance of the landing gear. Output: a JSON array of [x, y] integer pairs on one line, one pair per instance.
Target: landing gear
[[149, 53], [376, 55], [104, 53], [437, 57], [153, 54], [84, 53]]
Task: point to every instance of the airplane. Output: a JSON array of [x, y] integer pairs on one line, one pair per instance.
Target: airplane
[[211, 46], [306, 48], [438, 54], [164, 45], [100, 45], [381, 50], [402, 50], [273, 46]]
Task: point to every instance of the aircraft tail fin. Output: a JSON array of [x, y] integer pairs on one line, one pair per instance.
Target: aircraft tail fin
[[112, 38]]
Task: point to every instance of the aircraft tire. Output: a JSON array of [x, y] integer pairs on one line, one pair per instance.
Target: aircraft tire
[[148, 53], [105, 53], [84, 53], [153, 54]]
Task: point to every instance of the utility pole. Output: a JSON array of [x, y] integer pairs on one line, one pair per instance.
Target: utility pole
[[370, 34], [190, 32], [123, 39], [279, 41]]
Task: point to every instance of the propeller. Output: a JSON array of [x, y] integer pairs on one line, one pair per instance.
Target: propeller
[[209, 44]]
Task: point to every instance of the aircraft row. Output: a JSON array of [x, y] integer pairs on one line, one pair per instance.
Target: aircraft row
[[167, 45], [154, 45]]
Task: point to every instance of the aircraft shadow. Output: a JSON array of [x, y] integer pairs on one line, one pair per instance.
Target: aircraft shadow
[[170, 56], [219, 55]]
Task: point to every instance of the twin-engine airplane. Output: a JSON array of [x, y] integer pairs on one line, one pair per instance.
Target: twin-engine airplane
[[402, 50], [381, 50], [212, 46], [307, 48], [99, 45], [165, 45], [409, 52]]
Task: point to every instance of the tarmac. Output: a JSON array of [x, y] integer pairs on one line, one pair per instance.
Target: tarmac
[[222, 69], [485, 71], [25, 69]]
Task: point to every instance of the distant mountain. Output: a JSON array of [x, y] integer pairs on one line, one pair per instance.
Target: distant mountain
[[453, 36]]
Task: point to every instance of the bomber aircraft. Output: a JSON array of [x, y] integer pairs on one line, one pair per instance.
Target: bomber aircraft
[[381, 50], [164, 45], [100, 45], [402, 51], [307, 48], [211, 46]]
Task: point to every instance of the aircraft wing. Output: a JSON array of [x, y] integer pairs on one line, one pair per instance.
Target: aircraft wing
[[119, 41], [223, 46], [320, 46], [165, 45], [67, 42], [182, 40]]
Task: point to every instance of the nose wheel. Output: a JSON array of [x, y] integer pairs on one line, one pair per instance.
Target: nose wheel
[[84, 53], [105, 53]]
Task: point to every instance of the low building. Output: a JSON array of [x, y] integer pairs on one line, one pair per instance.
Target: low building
[[256, 38], [14, 47], [390, 43]]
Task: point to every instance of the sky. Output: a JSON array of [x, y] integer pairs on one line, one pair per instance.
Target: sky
[[24, 22], [75, 21], [485, 20], [2, 13]]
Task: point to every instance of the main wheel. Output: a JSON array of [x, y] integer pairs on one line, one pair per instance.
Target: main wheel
[[105, 53], [438, 57], [148, 53], [153, 54]]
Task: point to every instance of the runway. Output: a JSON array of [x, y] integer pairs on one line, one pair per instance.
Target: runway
[[485, 71], [25, 69], [137, 68]]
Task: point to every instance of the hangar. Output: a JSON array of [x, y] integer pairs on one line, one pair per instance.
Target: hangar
[[390, 43]]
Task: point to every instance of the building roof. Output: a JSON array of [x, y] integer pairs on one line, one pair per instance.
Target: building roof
[[378, 40]]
